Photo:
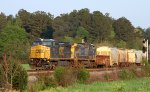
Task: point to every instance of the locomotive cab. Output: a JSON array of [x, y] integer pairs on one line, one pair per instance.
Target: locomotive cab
[[42, 51]]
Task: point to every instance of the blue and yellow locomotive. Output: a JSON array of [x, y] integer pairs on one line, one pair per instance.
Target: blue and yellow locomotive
[[49, 53]]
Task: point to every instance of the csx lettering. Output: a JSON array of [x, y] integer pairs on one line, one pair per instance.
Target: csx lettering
[[39, 51]]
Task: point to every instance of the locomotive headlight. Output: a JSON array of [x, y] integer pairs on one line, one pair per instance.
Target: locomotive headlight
[[48, 62], [44, 59]]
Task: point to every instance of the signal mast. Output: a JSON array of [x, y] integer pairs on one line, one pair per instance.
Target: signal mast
[[145, 48]]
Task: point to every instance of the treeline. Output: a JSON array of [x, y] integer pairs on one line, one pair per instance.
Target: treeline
[[18, 32]]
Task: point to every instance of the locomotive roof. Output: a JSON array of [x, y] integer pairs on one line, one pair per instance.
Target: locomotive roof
[[40, 39]]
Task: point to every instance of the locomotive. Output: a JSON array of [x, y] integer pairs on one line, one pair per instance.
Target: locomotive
[[50, 53]]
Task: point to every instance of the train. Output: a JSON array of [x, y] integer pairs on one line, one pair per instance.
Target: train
[[50, 53]]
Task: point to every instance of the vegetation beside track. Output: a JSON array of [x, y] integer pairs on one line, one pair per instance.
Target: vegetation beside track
[[134, 85], [26, 66]]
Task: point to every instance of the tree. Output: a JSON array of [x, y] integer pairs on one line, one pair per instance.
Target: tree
[[101, 27], [124, 31], [147, 34], [13, 39], [37, 24], [61, 28], [26, 19], [40, 22], [82, 33], [12, 74], [3, 21]]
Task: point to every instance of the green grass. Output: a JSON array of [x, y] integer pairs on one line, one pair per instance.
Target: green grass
[[25, 66], [136, 85]]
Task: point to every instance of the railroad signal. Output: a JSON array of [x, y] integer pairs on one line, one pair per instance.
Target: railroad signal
[[145, 48]]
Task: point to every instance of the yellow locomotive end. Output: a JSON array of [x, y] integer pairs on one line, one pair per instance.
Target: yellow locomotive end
[[40, 51], [39, 54]]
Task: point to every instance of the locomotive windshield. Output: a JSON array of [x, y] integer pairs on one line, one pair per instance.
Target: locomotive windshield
[[48, 43], [37, 43]]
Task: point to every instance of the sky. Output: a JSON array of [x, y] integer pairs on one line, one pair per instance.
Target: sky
[[137, 11]]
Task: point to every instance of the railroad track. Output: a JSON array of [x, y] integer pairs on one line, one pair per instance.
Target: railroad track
[[39, 72], [49, 72]]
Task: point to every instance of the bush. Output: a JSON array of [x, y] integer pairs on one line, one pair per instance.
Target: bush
[[106, 76], [59, 73], [83, 75], [65, 76], [69, 75], [127, 74], [38, 86], [16, 75], [20, 79], [145, 67], [49, 81]]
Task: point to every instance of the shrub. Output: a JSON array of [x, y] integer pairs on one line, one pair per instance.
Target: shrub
[[65, 76], [69, 75], [144, 61], [16, 75], [20, 79], [145, 67], [43, 83], [83, 75], [38, 86], [127, 74], [49, 81], [106, 76], [59, 73]]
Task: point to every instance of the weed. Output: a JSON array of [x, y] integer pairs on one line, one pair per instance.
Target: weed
[[83, 75], [127, 74]]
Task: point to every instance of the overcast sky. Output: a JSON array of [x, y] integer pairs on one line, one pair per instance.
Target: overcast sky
[[137, 11]]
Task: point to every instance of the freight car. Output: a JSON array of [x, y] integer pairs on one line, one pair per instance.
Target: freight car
[[49, 53], [107, 56]]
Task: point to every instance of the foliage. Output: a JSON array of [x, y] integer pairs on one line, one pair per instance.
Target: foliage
[[3, 21], [83, 75], [13, 39], [135, 85], [106, 76], [147, 34], [43, 83], [26, 66], [82, 33], [38, 86], [68, 76], [49, 81], [127, 74], [73, 27], [37, 24], [20, 79], [65, 76], [121, 44], [12, 74], [123, 29], [146, 67], [58, 74]]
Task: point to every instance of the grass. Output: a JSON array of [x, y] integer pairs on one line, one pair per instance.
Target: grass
[[26, 66], [135, 85]]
